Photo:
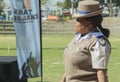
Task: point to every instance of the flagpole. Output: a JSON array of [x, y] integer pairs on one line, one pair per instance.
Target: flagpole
[[110, 8], [41, 40]]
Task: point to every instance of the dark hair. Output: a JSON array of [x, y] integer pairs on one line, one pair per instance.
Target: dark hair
[[96, 22]]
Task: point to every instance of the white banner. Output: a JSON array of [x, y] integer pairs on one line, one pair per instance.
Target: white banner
[[27, 28]]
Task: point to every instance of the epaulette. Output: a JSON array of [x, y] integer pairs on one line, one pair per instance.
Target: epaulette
[[100, 37]]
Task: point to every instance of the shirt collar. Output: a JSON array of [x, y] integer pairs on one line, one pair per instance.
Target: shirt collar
[[80, 37]]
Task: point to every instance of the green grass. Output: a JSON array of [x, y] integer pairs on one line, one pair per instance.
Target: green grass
[[7, 45], [114, 64], [53, 47]]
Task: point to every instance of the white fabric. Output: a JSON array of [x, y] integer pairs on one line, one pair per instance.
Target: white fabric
[[100, 56], [79, 37]]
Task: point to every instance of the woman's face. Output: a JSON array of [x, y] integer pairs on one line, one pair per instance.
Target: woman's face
[[81, 26]]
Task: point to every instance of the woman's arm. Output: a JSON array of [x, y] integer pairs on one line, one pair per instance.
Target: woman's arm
[[101, 74], [63, 79]]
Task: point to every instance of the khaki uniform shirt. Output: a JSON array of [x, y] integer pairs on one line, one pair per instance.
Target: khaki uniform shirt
[[83, 55]]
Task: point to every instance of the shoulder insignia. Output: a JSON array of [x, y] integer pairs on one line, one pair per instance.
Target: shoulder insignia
[[102, 41], [100, 38]]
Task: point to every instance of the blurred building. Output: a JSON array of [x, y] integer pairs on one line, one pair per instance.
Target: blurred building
[[47, 10], [7, 10]]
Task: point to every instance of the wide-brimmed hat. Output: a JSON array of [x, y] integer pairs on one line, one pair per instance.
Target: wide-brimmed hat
[[88, 8]]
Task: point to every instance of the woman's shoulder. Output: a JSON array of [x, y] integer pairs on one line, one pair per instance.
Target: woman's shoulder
[[99, 37]]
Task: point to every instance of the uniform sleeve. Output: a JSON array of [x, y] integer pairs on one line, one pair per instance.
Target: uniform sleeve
[[100, 55]]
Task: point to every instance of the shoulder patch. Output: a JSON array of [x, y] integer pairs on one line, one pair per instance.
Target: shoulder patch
[[102, 41]]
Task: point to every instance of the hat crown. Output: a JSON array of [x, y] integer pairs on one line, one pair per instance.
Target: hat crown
[[88, 8], [88, 5]]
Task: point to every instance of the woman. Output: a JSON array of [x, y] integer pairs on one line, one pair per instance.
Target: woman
[[86, 56]]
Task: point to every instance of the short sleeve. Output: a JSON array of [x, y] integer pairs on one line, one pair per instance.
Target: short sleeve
[[100, 55]]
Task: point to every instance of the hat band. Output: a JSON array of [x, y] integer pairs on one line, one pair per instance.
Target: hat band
[[83, 12]]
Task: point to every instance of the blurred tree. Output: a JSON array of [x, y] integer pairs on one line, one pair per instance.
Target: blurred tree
[[1, 7], [116, 2], [60, 4], [101, 1], [44, 1], [67, 4]]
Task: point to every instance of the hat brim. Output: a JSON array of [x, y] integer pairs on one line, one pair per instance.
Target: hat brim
[[77, 15]]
